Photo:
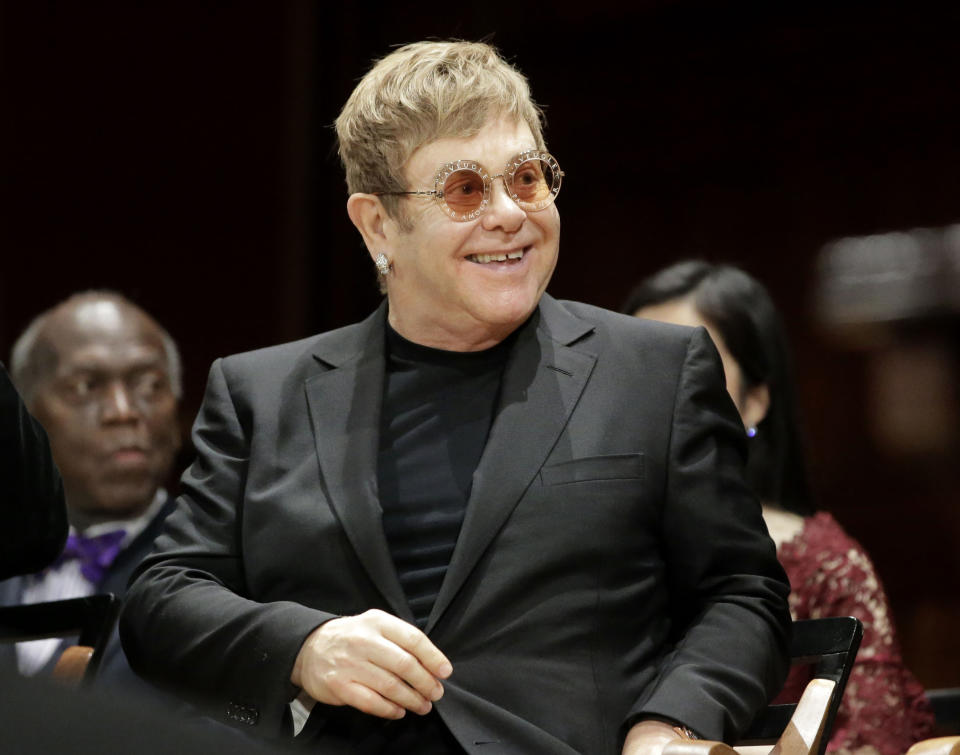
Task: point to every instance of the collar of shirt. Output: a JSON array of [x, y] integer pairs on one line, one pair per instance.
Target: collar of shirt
[[133, 527]]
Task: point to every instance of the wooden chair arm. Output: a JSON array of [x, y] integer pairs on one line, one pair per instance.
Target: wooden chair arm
[[806, 727], [72, 664], [801, 737], [936, 746]]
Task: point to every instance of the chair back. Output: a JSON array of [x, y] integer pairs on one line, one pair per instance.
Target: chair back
[[91, 619], [946, 709], [829, 646]]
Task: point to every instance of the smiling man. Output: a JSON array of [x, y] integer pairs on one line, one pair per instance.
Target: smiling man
[[481, 520], [103, 378]]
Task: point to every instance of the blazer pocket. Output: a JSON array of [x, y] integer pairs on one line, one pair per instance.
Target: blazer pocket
[[612, 467]]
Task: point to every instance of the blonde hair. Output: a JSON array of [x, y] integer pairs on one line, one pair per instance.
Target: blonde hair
[[417, 94]]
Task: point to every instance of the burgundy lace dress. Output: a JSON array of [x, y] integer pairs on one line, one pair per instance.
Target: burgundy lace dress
[[884, 706]]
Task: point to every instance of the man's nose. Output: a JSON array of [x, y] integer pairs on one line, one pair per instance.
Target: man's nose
[[502, 212], [119, 404]]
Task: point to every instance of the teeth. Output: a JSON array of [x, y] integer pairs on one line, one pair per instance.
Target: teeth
[[484, 258]]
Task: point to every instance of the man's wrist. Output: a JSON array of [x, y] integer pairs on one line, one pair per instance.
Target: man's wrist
[[648, 736], [680, 729], [685, 732]]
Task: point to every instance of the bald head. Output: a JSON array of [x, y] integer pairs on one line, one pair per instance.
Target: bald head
[[32, 359], [103, 378]]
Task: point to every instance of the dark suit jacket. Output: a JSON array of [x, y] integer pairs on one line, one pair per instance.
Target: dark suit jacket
[[115, 581], [611, 563], [32, 510]]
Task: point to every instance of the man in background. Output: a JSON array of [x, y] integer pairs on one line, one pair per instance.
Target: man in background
[[103, 378]]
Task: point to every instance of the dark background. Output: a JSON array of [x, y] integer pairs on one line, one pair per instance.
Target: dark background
[[182, 154]]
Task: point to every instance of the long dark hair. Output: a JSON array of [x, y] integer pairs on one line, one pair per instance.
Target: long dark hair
[[741, 310]]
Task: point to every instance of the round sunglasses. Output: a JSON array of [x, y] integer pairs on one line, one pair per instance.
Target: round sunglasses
[[462, 188]]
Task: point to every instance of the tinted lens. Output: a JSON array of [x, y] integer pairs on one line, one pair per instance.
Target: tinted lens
[[463, 191], [535, 182], [532, 181]]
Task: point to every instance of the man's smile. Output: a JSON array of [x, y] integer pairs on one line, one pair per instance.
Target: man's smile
[[483, 259]]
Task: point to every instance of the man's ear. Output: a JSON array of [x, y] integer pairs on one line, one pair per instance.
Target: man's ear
[[756, 404], [369, 216]]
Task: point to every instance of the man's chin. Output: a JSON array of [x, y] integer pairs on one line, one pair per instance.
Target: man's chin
[[508, 313], [123, 500]]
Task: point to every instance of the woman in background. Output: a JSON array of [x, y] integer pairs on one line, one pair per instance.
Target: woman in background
[[884, 708]]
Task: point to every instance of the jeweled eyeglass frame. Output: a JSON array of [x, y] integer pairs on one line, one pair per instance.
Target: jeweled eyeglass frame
[[448, 169]]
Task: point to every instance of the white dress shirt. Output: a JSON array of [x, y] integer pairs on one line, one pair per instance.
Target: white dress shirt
[[65, 580]]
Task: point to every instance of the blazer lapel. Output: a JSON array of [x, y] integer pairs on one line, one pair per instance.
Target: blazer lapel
[[344, 403], [541, 385]]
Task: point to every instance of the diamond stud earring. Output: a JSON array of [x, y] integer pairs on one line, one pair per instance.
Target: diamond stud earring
[[383, 264]]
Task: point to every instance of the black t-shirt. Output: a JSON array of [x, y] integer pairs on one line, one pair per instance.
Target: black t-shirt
[[437, 410]]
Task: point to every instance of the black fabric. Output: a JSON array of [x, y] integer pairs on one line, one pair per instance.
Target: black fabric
[[39, 717], [437, 410], [345, 730], [32, 506]]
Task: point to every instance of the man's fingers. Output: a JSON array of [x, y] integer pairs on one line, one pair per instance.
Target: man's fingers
[[376, 691], [364, 699], [417, 644], [393, 688], [405, 668]]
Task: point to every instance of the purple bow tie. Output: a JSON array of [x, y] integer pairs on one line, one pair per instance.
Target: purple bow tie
[[95, 554]]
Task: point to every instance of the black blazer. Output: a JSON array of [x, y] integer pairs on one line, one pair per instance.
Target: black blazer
[[611, 563]]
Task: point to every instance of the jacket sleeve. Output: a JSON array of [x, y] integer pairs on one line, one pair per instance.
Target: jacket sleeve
[[32, 506], [186, 623], [727, 590]]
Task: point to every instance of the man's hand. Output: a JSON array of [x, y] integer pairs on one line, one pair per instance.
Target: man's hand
[[374, 662], [648, 738]]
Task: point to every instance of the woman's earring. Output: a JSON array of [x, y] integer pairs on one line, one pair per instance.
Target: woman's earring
[[383, 264], [751, 432]]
